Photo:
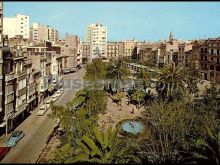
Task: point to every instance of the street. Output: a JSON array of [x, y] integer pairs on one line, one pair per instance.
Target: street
[[38, 128]]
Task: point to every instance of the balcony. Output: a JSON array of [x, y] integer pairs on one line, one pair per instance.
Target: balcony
[[18, 57], [23, 91], [20, 74], [31, 99], [9, 98], [21, 108], [9, 77]]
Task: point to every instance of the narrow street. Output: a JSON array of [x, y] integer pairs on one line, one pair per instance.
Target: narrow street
[[38, 128]]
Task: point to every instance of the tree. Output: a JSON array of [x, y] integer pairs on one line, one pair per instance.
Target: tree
[[145, 76], [138, 96], [118, 98], [170, 81], [63, 155], [203, 150], [168, 125], [95, 71], [192, 78], [99, 149], [118, 72]]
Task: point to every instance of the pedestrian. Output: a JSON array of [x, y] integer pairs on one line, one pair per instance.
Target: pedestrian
[[132, 111]]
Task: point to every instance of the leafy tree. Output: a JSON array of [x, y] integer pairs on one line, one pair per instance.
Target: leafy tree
[[97, 102], [168, 125], [145, 76], [210, 98], [138, 96], [63, 155], [95, 71], [118, 72], [118, 97], [192, 78]]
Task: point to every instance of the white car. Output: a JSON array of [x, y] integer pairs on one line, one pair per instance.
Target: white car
[[47, 103], [58, 94], [54, 98], [61, 90], [42, 111]]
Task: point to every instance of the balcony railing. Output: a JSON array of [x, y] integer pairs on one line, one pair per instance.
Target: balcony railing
[[9, 98], [9, 77]]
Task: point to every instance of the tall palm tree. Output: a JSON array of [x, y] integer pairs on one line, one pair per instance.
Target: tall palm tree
[[145, 76], [117, 71], [171, 80]]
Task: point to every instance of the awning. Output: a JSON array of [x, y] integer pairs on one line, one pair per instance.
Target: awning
[[3, 124]]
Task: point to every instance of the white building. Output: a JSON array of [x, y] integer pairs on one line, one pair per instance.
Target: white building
[[97, 38], [41, 33], [19, 25]]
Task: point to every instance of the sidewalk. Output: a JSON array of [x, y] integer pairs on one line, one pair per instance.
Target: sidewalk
[[3, 139]]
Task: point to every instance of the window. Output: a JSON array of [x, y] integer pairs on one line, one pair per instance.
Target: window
[[211, 51]]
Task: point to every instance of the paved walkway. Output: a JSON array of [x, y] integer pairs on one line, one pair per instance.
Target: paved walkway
[[116, 113]]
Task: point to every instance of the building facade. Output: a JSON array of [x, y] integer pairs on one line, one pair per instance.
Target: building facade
[[19, 25], [97, 38], [41, 33]]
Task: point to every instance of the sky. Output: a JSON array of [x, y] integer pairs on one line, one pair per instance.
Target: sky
[[149, 21]]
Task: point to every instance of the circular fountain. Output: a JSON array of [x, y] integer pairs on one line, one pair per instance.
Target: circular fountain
[[130, 127]]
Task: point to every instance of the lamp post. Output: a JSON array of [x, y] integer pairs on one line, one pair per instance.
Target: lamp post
[[6, 134]]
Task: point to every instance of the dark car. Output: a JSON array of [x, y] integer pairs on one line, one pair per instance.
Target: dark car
[[3, 152]]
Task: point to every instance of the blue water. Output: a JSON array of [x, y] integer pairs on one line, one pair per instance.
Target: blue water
[[132, 127]]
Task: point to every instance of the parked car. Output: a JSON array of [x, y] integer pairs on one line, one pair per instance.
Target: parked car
[[54, 97], [66, 71], [4, 151], [61, 90], [58, 94], [47, 103], [72, 69], [42, 110], [14, 138]]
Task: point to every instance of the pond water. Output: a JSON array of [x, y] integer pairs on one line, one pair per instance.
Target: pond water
[[134, 127]]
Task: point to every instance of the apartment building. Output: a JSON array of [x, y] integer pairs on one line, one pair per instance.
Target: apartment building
[[73, 49], [129, 48], [97, 37], [143, 52], [8, 89], [32, 100], [1, 64], [185, 54], [210, 59], [115, 50], [19, 25], [85, 52], [41, 33]]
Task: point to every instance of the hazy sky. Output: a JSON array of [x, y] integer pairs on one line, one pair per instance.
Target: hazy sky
[[125, 20]]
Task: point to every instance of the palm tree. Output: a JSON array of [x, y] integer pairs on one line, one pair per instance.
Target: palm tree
[[204, 150], [171, 80], [81, 98], [117, 71], [145, 76], [95, 71], [100, 149]]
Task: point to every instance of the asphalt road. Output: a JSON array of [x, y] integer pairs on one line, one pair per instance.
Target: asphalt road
[[38, 128]]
